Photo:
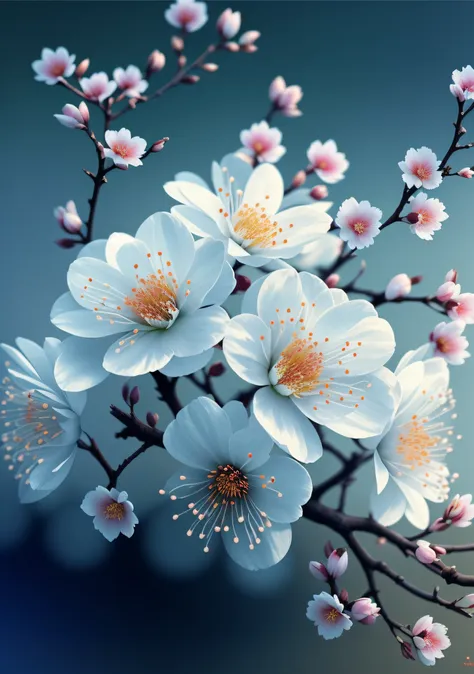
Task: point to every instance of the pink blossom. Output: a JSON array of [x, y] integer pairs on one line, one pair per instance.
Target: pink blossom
[[329, 164], [319, 192], [447, 291], [54, 65], [228, 24], [187, 15], [460, 512], [365, 611], [420, 169], [466, 602], [68, 218], [264, 141], [430, 214], [97, 87], [430, 640], [82, 68], [285, 98], [112, 512], [156, 61], [124, 150], [466, 172], [449, 342], [452, 275], [319, 571], [249, 38], [462, 307], [359, 223], [74, 118], [130, 80], [463, 87], [327, 614], [337, 562], [425, 553], [399, 286]]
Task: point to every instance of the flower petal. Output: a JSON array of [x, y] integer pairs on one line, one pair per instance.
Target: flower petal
[[180, 367], [275, 543], [245, 351], [291, 489], [79, 365]]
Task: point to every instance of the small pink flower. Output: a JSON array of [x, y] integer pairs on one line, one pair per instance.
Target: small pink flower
[[467, 602], [460, 512], [452, 275], [68, 218], [54, 65], [420, 169], [187, 15], [337, 562], [285, 98], [447, 291], [430, 640], [449, 342], [359, 223], [462, 307], [430, 214], [399, 286], [466, 172], [264, 141], [130, 80], [74, 118], [425, 553], [365, 611], [156, 61], [319, 192], [327, 614], [228, 24], [319, 571], [97, 87], [124, 150], [113, 514], [329, 164], [463, 87]]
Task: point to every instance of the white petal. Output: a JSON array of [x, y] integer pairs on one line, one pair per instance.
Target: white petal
[[265, 181], [79, 365], [198, 222], [180, 367], [275, 543], [294, 484], [203, 274], [245, 351], [136, 354], [194, 333], [389, 506], [250, 446], [223, 287], [238, 415]]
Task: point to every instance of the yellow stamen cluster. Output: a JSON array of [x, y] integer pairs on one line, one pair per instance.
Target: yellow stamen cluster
[[229, 482], [300, 366], [114, 511], [155, 299], [415, 443]]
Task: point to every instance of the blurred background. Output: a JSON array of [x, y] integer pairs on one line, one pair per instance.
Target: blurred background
[[375, 78]]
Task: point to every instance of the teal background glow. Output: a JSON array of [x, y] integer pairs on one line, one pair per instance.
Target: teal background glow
[[375, 77]]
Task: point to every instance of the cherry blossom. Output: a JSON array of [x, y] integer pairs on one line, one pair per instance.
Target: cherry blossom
[[249, 38], [264, 142], [430, 640], [463, 87], [448, 291], [228, 24], [462, 307], [187, 15], [130, 80], [328, 164], [68, 217], [452, 275], [335, 566], [74, 118], [319, 192], [430, 214], [123, 149], [399, 286], [156, 61], [426, 553], [420, 169], [97, 87], [284, 98], [466, 172], [327, 614], [365, 611], [466, 602], [54, 65], [112, 512], [460, 512], [449, 342], [359, 223]]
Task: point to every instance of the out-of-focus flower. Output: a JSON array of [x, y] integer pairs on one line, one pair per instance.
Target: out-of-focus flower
[[466, 602], [462, 307], [156, 61], [112, 512], [359, 223], [430, 640], [329, 164], [74, 118], [98, 87], [68, 218], [320, 253], [53, 65], [123, 149], [463, 87], [449, 342], [130, 80], [187, 15], [319, 192], [228, 24], [41, 423], [448, 291], [365, 611], [425, 553], [285, 98], [420, 169], [399, 286], [264, 142], [247, 40], [460, 512], [430, 214], [82, 68], [333, 280], [452, 275], [226, 462], [466, 172], [327, 614]]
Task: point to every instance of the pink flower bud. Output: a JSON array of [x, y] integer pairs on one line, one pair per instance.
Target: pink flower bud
[[177, 43], [84, 110], [425, 553], [134, 395], [452, 275], [66, 243], [159, 144], [447, 291], [72, 117], [365, 611], [460, 512], [344, 596], [231, 46], [439, 525], [319, 571], [416, 279], [407, 651], [332, 280], [398, 287], [439, 549], [156, 61], [319, 192], [249, 37], [466, 602], [125, 393], [152, 419], [249, 49], [298, 179], [191, 79], [82, 68], [228, 24], [328, 548], [466, 172], [242, 283], [210, 67], [72, 223], [412, 218], [337, 562], [216, 370], [182, 60]]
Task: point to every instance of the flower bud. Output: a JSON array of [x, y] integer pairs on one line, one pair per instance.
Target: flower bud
[[152, 419], [466, 602], [332, 280], [328, 548], [319, 192], [156, 61], [447, 291], [365, 611], [398, 287], [228, 24], [457, 92], [134, 395], [182, 60], [125, 393], [344, 596], [66, 243], [439, 525], [242, 283], [416, 279], [319, 571], [82, 68], [231, 46], [407, 651], [84, 110], [425, 553], [210, 67], [249, 37], [159, 144], [177, 43], [466, 172], [298, 179], [72, 223], [412, 218], [337, 562], [216, 370], [190, 79], [452, 275], [249, 48]]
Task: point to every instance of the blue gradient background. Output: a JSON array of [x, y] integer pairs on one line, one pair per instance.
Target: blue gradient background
[[375, 78]]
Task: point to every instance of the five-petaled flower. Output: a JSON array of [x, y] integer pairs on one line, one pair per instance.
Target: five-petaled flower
[[98, 87], [315, 356], [328, 164], [420, 169], [187, 15], [284, 98], [430, 640], [263, 142], [159, 292], [130, 80], [328, 615], [112, 512], [359, 223], [231, 484], [41, 423], [449, 343], [124, 150], [426, 215], [54, 65]]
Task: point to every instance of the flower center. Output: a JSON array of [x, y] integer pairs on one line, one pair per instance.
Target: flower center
[[443, 344], [155, 299], [415, 443], [423, 217], [230, 482], [255, 226], [114, 511], [332, 615], [258, 146], [359, 227], [300, 367], [422, 172], [57, 69], [121, 150]]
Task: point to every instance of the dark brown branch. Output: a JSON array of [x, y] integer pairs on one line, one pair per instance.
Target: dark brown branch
[[166, 387]]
